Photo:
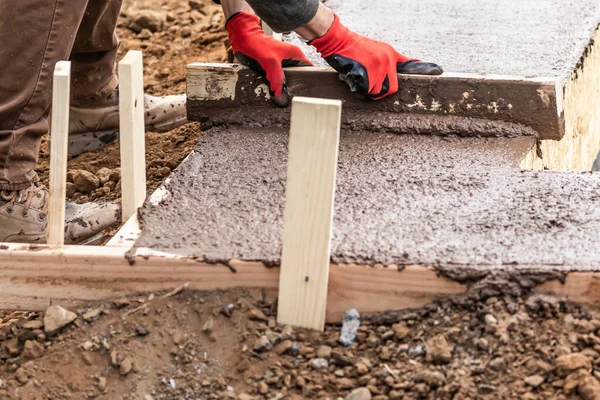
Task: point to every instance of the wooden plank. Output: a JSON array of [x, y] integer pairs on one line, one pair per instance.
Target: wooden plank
[[582, 287], [33, 277], [132, 140], [59, 142], [533, 102], [308, 214]]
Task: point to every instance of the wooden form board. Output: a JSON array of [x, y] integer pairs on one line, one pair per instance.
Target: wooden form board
[[218, 90], [308, 214], [132, 129], [59, 142], [33, 277]]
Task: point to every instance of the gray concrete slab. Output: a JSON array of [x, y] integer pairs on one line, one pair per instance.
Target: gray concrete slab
[[513, 37], [403, 199]]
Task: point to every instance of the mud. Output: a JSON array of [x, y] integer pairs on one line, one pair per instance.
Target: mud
[[400, 199], [524, 38]]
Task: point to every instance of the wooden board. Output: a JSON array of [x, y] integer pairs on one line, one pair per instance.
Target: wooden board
[[131, 138], [226, 93], [59, 142], [308, 214]]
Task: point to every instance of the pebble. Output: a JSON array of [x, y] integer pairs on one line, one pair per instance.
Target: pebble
[[350, 327], [208, 326], [490, 319], [262, 344], [32, 350], [568, 363], [85, 182], [56, 318], [484, 389], [438, 350], [320, 363], [432, 378], [498, 364], [147, 19], [21, 376], [228, 310], [534, 380], [104, 175], [359, 394], [92, 315], [283, 347], [415, 351], [102, 384], [324, 352], [125, 366], [256, 315], [33, 324]]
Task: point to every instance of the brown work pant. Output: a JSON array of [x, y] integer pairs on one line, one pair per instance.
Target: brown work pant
[[34, 35]]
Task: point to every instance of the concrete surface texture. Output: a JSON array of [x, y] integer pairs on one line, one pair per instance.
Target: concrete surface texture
[[513, 37], [403, 199]]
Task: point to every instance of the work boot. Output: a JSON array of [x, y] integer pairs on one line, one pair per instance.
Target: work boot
[[23, 216], [96, 124]]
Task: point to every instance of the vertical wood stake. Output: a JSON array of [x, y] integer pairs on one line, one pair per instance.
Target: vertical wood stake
[[59, 142], [131, 136], [308, 214]]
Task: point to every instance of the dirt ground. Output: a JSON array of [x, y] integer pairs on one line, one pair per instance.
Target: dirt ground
[[175, 33], [227, 345]]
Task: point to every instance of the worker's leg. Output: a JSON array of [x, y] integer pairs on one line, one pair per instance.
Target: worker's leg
[[95, 52], [34, 35], [94, 111]]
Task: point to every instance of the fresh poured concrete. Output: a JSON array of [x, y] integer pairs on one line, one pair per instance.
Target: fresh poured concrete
[[400, 199], [513, 37]]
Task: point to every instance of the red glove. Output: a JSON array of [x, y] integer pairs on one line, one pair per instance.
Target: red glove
[[368, 66], [265, 55]]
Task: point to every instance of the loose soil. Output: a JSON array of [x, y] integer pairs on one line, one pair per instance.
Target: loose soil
[[227, 345]]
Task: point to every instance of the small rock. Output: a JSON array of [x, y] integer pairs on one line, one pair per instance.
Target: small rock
[[147, 19], [320, 363], [102, 384], [92, 315], [208, 326], [283, 347], [568, 363], [490, 319], [256, 315], [287, 332], [104, 175], [415, 351], [534, 380], [87, 358], [70, 190], [56, 318], [32, 350], [350, 327], [401, 331], [273, 337], [262, 344], [263, 388], [484, 389], [115, 360], [125, 366], [33, 324], [324, 352], [589, 388], [438, 350], [122, 303], [21, 376], [361, 368], [196, 5], [432, 378], [498, 364], [85, 182], [359, 394], [228, 310]]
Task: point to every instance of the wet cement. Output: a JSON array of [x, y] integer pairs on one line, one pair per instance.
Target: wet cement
[[512, 37], [400, 199]]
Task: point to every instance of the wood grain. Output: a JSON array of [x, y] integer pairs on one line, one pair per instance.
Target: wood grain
[[308, 214], [132, 140], [59, 147]]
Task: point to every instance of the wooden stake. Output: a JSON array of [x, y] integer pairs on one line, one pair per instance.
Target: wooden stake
[[59, 143], [132, 140], [308, 215]]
